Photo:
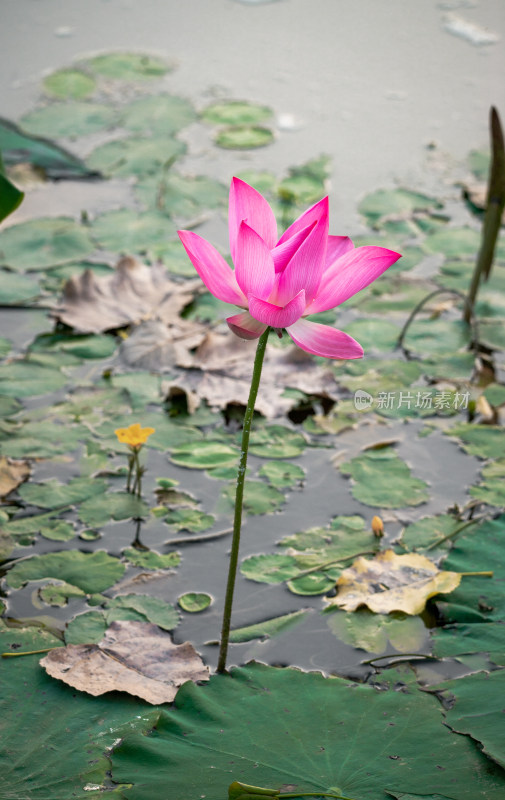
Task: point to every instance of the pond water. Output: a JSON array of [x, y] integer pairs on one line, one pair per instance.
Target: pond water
[[396, 94]]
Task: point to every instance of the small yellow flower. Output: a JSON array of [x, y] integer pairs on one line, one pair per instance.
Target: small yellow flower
[[134, 436], [378, 527]]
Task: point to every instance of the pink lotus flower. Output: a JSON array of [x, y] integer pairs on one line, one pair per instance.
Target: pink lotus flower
[[279, 282]]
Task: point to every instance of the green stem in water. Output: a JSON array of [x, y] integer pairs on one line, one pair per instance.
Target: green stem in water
[[28, 652], [239, 498]]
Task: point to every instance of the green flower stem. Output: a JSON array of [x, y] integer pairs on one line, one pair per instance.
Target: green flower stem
[[29, 652], [239, 497]]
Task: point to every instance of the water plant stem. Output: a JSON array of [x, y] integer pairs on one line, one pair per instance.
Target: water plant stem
[[239, 498], [28, 652]]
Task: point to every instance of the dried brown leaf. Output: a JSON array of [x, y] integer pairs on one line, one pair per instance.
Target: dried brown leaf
[[12, 474], [390, 582], [134, 657], [132, 293]]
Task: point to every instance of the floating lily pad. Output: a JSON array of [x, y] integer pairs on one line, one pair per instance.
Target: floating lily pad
[[374, 334], [58, 530], [141, 607], [41, 439], [492, 488], [19, 148], [126, 231], [180, 196], [17, 289], [479, 163], [58, 594], [10, 196], [161, 114], [87, 628], [236, 112], [194, 602], [273, 568], [454, 242], [91, 572], [243, 137], [26, 379], [282, 474], [484, 441], [189, 519], [428, 531], [101, 509], [259, 498], [383, 480], [129, 66], [135, 156], [69, 83], [69, 119], [461, 639], [305, 183], [492, 333], [44, 242], [53, 493], [268, 628], [149, 559], [437, 336], [376, 633], [204, 455], [388, 202], [276, 441], [312, 584]]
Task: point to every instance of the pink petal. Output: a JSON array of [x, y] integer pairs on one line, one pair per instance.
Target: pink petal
[[350, 274], [305, 269], [321, 340], [313, 214], [245, 326], [216, 274], [277, 316], [254, 265], [282, 253], [337, 246], [247, 204]]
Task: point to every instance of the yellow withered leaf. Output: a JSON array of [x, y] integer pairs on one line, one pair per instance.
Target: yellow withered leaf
[[390, 582]]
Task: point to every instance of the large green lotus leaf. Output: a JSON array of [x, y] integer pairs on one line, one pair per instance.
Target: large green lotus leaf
[[58, 530], [243, 137], [388, 202], [282, 474], [463, 639], [459, 243], [391, 295], [492, 333], [182, 197], [382, 479], [17, 147], [479, 549], [205, 455], [281, 727], [162, 114], [87, 628], [311, 584], [189, 519], [149, 559], [276, 441], [492, 488], [377, 633], [69, 83], [429, 531], [268, 628], [172, 254], [374, 334], [455, 365], [259, 498], [436, 336], [477, 711], [53, 493], [41, 439], [91, 572], [236, 112], [98, 511], [68, 755], [29, 525], [304, 184], [69, 119], [17, 289], [128, 66], [135, 156], [58, 594], [428, 401], [147, 609], [263, 182], [44, 242], [484, 441], [143, 387], [126, 231], [344, 538]]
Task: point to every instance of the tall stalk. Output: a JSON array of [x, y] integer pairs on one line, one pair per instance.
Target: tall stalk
[[239, 499]]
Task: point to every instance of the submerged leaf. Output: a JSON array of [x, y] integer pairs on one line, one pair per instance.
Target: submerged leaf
[[392, 582], [133, 657]]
